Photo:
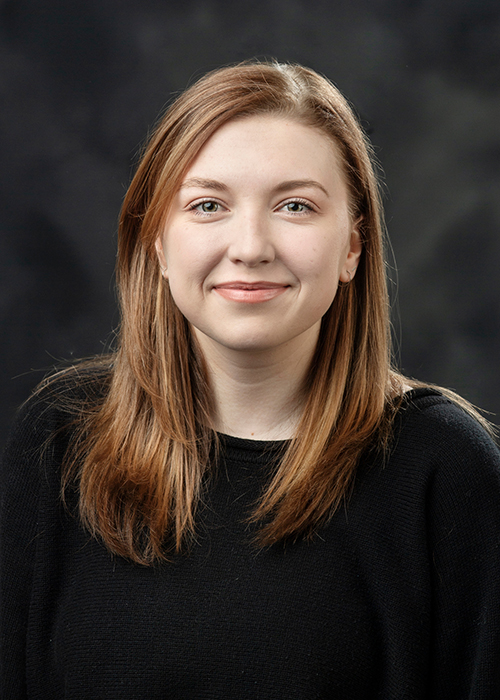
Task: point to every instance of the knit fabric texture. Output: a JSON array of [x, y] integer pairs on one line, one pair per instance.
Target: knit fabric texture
[[397, 597]]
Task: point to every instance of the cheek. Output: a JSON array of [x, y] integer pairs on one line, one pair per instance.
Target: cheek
[[190, 252], [189, 270], [321, 262], [183, 259]]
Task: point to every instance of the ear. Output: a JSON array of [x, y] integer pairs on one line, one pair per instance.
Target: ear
[[352, 260], [161, 257]]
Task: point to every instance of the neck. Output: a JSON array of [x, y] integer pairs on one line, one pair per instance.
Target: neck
[[258, 395]]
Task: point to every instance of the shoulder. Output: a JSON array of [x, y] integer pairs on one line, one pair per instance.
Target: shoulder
[[57, 403], [440, 430], [437, 490], [441, 460], [76, 386], [82, 382], [445, 458]]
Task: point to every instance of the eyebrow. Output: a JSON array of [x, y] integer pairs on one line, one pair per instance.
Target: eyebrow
[[204, 183], [221, 187], [293, 184]]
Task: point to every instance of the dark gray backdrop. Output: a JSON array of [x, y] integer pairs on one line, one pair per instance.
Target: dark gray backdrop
[[82, 81]]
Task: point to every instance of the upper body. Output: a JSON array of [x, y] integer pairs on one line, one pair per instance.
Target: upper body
[[397, 597], [143, 555]]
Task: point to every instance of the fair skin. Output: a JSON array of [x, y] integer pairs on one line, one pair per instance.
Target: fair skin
[[256, 242]]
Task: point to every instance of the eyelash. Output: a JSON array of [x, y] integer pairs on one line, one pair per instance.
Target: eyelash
[[194, 207], [302, 202]]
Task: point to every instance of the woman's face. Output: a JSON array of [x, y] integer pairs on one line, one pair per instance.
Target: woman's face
[[259, 236]]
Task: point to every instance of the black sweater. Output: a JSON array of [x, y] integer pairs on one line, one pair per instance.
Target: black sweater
[[397, 598]]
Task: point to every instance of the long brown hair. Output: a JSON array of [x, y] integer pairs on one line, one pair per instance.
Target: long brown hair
[[143, 451]]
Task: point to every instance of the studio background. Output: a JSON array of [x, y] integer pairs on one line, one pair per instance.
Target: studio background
[[82, 82]]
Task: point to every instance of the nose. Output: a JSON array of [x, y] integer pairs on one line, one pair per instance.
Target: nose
[[251, 242]]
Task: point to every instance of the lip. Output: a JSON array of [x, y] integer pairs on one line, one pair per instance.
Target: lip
[[250, 292]]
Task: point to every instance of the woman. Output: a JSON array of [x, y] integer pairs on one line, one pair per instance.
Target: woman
[[254, 504]]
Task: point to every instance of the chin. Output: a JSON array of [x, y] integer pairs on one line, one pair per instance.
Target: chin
[[242, 343], [249, 345]]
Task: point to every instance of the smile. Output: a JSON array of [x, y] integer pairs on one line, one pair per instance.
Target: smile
[[250, 292]]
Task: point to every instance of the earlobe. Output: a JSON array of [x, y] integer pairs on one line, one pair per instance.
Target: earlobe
[[353, 256], [161, 258], [349, 274]]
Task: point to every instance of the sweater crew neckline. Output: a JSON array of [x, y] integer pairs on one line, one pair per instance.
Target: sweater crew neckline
[[250, 447]]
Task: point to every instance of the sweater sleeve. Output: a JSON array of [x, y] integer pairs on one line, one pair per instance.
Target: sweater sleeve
[[19, 497], [464, 542]]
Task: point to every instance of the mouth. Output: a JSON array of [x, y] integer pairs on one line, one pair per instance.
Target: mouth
[[250, 292]]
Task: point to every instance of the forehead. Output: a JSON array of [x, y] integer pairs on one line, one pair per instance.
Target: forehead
[[260, 142]]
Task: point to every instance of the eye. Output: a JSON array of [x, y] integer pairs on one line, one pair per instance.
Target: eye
[[205, 207], [296, 206], [208, 206]]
